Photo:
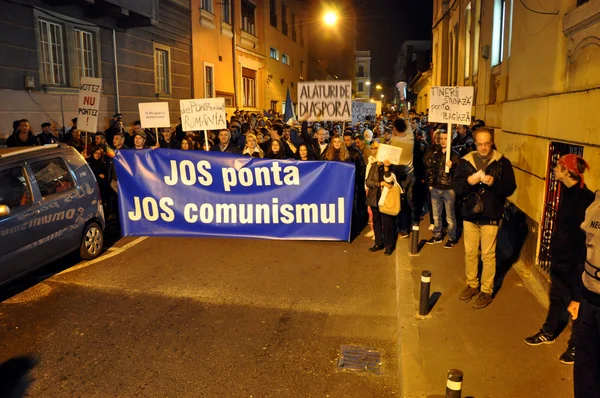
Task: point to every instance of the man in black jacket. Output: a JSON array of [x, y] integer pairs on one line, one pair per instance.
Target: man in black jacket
[[463, 143], [22, 135], [567, 251], [225, 144], [484, 179], [46, 137], [440, 187]]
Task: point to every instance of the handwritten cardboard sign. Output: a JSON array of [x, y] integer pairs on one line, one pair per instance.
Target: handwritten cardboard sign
[[203, 114], [89, 104], [154, 114], [389, 152], [451, 104], [325, 100], [362, 110]]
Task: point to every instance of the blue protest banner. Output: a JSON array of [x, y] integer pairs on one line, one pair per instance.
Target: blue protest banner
[[166, 192]]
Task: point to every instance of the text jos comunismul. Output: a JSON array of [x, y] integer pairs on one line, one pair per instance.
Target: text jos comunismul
[[186, 173]]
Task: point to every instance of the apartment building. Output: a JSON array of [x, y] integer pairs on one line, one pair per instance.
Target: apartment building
[[248, 51], [537, 83], [362, 81], [140, 49]]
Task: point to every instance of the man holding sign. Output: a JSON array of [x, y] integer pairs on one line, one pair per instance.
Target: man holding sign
[[440, 185]]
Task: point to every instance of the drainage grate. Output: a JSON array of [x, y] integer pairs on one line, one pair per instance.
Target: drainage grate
[[357, 359], [35, 292]]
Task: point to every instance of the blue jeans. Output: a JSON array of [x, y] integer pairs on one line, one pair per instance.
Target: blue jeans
[[441, 198]]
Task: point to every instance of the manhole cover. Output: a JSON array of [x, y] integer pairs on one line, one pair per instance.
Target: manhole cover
[[359, 359], [35, 292]]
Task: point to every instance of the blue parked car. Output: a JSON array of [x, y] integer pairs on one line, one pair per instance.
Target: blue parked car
[[50, 206]]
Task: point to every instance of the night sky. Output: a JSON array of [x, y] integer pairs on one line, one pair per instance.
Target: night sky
[[382, 26]]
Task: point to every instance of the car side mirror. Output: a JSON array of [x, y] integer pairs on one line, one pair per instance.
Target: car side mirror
[[4, 211]]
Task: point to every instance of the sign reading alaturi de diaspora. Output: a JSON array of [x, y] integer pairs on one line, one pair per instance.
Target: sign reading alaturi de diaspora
[[325, 100]]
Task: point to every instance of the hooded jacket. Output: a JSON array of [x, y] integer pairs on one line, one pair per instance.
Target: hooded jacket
[[567, 247], [494, 197], [589, 285]]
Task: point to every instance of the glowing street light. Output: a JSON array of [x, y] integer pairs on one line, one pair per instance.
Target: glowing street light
[[330, 18], [368, 83], [378, 87], [382, 95]]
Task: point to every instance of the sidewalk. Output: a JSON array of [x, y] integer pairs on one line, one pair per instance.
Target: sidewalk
[[487, 344]]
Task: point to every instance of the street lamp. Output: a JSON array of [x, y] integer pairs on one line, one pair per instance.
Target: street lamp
[[368, 83], [378, 87], [382, 95], [330, 18]]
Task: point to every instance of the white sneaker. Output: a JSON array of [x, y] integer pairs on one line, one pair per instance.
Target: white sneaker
[[369, 234], [431, 227]]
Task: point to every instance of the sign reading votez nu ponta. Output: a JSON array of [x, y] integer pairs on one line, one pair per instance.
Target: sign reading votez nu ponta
[[166, 192]]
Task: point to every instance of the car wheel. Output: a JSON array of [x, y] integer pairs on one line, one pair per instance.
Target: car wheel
[[91, 242]]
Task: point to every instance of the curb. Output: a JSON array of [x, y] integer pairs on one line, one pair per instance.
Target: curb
[[409, 347]]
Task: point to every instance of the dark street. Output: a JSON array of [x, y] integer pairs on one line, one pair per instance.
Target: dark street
[[206, 317]]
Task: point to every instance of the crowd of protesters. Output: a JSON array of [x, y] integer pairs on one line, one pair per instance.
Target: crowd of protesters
[[464, 192]]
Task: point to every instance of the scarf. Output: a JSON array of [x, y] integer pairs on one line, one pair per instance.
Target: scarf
[[570, 163]]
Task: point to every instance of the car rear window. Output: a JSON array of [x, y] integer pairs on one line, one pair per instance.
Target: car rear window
[[52, 176]]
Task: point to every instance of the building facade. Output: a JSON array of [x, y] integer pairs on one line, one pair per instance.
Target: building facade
[[362, 81], [249, 51], [537, 83], [141, 50]]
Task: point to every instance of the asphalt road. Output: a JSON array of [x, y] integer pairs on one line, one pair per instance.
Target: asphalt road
[[201, 318]]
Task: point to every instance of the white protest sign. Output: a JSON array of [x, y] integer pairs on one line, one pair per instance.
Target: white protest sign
[[325, 100], [89, 104], [389, 152], [360, 111], [451, 104], [203, 114], [154, 114]]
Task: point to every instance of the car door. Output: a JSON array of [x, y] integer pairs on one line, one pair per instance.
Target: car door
[[18, 234], [52, 177]]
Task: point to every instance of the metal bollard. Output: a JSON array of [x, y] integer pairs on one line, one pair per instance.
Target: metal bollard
[[454, 383], [414, 243], [425, 287]]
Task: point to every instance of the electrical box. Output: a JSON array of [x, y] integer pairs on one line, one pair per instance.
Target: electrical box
[[485, 51], [29, 82]]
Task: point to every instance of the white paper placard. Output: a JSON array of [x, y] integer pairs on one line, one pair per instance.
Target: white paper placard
[[89, 104], [451, 104], [360, 111], [325, 100], [203, 114], [154, 114], [389, 152]]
